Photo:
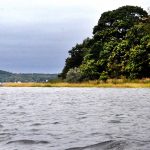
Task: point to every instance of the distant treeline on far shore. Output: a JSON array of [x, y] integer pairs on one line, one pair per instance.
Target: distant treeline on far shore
[[22, 77]]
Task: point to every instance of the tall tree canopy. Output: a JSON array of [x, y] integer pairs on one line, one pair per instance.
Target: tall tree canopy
[[120, 46]]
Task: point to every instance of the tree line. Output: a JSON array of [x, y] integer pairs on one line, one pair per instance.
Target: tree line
[[25, 77], [120, 47]]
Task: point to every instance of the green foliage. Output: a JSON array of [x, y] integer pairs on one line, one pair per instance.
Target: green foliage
[[104, 76], [120, 19], [13, 77], [89, 70], [76, 56], [120, 47], [73, 75]]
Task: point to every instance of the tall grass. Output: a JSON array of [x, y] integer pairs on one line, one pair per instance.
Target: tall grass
[[117, 83]]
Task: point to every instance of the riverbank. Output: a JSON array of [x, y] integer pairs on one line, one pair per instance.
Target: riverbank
[[112, 83]]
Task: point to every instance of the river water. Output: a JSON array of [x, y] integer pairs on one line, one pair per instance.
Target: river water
[[74, 119]]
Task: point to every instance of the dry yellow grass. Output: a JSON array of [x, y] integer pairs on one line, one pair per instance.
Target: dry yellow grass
[[114, 83]]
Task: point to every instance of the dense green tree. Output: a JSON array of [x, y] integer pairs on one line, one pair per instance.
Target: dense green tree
[[120, 19], [74, 60], [76, 55], [138, 64], [120, 47], [89, 70]]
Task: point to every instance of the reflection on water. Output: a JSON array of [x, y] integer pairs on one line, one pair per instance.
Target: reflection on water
[[74, 119]]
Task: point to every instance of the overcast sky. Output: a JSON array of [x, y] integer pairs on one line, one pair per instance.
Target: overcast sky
[[35, 35]]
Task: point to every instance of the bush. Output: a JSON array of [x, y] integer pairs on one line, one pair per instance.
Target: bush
[[103, 76], [73, 75]]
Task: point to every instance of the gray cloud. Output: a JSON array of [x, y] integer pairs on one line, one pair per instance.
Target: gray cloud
[[40, 48], [35, 35]]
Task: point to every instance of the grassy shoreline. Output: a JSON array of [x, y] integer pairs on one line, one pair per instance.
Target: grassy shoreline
[[111, 83]]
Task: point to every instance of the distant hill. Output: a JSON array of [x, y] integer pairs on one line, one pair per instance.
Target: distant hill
[[4, 72], [23, 77]]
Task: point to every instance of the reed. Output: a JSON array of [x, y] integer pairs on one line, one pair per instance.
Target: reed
[[111, 83]]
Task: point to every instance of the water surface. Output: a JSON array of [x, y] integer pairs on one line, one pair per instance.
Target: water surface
[[74, 119]]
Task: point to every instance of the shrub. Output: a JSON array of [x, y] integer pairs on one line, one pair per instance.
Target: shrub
[[103, 76], [73, 75]]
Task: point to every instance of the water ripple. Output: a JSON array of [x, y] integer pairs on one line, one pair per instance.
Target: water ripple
[[74, 119], [107, 145], [28, 142]]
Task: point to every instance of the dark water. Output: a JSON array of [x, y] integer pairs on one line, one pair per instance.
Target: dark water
[[74, 119]]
